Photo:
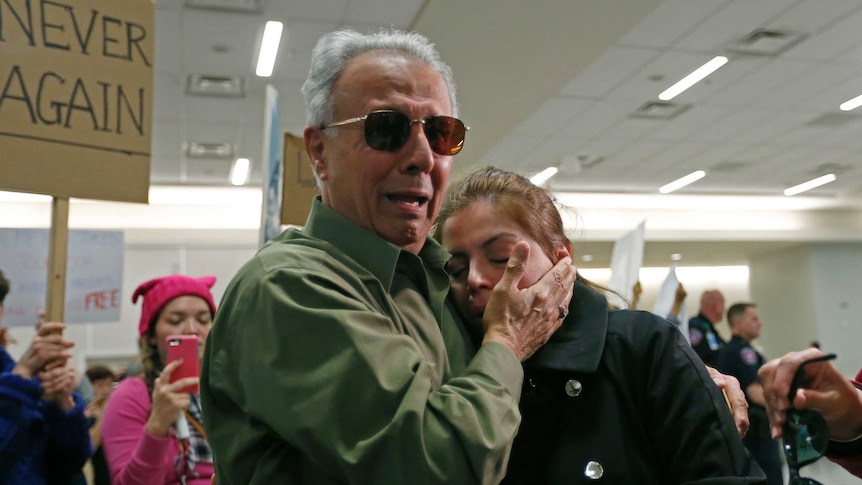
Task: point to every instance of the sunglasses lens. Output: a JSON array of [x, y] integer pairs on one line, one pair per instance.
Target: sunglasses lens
[[389, 130], [445, 134], [806, 436], [386, 130]]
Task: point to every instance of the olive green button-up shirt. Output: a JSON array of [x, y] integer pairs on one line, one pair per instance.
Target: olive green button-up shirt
[[336, 357]]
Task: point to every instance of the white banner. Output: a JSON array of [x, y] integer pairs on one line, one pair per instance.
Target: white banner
[[94, 275], [626, 262], [665, 299]]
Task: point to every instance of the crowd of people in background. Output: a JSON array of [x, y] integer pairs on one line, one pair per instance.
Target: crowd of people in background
[[105, 426], [404, 335]]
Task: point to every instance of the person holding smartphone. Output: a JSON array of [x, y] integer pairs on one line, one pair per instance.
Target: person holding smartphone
[[825, 390], [152, 431]]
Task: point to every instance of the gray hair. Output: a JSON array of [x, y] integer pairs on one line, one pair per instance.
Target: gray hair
[[336, 49]]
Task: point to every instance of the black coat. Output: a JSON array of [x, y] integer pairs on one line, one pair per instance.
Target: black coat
[[622, 395]]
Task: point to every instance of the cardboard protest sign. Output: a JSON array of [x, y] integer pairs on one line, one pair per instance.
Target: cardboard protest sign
[[76, 81], [300, 186]]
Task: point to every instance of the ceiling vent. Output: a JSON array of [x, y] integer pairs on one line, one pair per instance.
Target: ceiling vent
[[728, 166], [829, 167], [832, 120], [209, 150], [765, 42], [245, 6], [576, 162], [227, 86], [660, 110]]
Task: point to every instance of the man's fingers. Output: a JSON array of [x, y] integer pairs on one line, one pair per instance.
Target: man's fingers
[[515, 267], [559, 281]]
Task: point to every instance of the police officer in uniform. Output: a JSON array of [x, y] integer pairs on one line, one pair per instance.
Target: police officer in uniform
[[701, 330], [739, 359]]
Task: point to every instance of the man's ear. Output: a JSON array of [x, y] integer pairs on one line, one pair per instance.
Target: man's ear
[[313, 138]]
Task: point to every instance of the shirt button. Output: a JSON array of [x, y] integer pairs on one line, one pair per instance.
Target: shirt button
[[594, 470], [574, 388]]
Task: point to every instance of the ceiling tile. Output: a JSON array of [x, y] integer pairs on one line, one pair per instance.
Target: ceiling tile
[[670, 21], [617, 63], [733, 21], [555, 112], [401, 13]]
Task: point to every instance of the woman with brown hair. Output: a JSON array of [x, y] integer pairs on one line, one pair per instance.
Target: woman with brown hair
[[614, 394]]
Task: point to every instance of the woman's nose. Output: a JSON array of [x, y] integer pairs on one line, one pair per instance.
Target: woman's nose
[[477, 278], [192, 327]]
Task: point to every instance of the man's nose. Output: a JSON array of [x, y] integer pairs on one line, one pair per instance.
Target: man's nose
[[422, 159]]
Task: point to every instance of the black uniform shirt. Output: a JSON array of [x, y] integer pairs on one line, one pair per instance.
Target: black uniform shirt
[[704, 339]]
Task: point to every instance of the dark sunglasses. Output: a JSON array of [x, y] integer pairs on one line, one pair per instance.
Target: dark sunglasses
[[805, 432], [388, 130]]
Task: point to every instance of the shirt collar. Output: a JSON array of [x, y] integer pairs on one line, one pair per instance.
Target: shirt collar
[[578, 344], [367, 248]]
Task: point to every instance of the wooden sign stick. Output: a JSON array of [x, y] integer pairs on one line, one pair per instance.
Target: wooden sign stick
[[57, 250]]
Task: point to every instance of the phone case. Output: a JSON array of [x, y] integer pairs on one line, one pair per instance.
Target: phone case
[[185, 347]]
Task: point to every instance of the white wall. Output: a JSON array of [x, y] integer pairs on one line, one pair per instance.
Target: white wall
[[836, 278], [811, 293], [781, 287]]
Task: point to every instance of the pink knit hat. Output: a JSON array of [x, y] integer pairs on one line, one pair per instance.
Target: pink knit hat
[[159, 291]]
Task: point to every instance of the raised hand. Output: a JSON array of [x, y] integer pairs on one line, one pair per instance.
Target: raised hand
[[824, 390], [524, 319], [57, 385], [168, 402], [48, 350]]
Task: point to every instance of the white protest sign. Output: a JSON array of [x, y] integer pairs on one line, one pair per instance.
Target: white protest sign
[[666, 297], [626, 262], [94, 275]]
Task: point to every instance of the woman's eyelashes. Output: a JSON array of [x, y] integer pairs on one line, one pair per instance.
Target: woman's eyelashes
[[455, 268]]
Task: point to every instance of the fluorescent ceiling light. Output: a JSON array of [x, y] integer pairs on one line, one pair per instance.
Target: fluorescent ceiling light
[[851, 104], [269, 48], [796, 189], [544, 175], [239, 171], [693, 78], [699, 202], [682, 182]]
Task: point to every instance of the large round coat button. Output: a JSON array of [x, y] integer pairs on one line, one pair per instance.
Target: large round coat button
[[574, 388], [594, 470]]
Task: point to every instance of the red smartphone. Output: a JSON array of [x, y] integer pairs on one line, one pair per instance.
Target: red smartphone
[[184, 347]]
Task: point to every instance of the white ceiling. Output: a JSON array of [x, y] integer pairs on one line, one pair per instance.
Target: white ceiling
[[555, 83]]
